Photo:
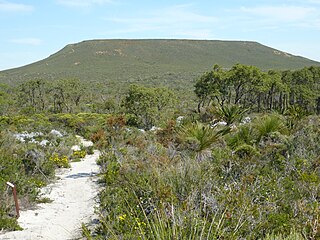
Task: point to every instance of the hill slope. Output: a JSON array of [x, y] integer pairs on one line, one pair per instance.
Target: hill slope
[[167, 61]]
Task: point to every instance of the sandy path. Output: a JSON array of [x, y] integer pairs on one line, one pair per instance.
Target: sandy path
[[73, 203]]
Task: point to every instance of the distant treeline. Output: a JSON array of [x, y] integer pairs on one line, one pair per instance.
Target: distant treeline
[[245, 86], [61, 96]]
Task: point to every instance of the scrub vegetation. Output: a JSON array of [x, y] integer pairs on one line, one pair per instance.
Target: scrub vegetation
[[237, 157]]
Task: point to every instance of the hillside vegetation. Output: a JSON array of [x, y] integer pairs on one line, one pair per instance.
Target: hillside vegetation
[[230, 153], [169, 62]]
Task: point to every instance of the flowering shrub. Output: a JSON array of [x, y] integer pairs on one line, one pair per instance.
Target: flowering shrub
[[79, 154], [60, 161]]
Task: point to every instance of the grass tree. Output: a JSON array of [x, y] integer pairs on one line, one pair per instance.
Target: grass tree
[[268, 124], [200, 137], [229, 113]]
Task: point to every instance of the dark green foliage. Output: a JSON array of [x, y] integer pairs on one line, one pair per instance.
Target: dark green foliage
[[295, 93], [148, 106], [266, 125], [244, 135], [8, 223], [229, 113], [212, 86], [200, 137]]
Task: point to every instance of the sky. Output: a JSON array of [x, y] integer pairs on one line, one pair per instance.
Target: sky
[[31, 30]]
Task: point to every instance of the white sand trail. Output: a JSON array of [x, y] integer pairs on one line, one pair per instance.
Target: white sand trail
[[73, 198]]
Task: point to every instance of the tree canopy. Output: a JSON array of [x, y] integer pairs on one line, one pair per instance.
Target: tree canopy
[[148, 105], [260, 91]]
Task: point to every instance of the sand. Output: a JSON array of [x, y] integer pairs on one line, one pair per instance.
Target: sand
[[74, 198]]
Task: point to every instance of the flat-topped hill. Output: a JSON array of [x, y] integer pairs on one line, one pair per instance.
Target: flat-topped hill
[[154, 61]]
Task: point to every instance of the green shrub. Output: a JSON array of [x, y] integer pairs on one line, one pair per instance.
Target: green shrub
[[9, 224], [262, 187]]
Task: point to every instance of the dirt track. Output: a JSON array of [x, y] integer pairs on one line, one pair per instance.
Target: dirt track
[[73, 198]]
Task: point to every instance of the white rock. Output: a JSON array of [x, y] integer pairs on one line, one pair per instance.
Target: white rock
[[222, 123], [75, 148], [44, 142], [56, 133], [179, 119], [246, 120], [155, 128], [19, 137]]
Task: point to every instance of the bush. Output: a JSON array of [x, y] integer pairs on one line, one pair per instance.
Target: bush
[[261, 186], [60, 161]]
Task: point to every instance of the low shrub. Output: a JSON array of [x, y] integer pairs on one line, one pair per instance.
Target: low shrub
[[62, 161], [257, 182]]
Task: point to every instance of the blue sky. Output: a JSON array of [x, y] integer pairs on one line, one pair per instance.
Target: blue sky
[[34, 29]]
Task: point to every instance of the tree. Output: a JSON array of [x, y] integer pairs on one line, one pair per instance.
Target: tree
[[243, 79], [58, 99], [315, 71], [33, 95], [148, 105], [5, 98], [212, 86], [66, 95], [277, 92], [303, 92]]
